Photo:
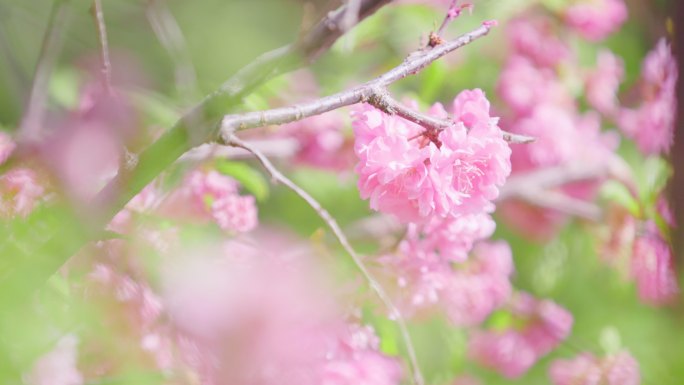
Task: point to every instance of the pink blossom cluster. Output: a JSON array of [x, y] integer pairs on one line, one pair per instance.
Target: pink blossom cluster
[[596, 19], [210, 195], [586, 369], [322, 141], [537, 85], [642, 253], [416, 174], [467, 292], [20, 191], [58, 366], [652, 123], [538, 327]]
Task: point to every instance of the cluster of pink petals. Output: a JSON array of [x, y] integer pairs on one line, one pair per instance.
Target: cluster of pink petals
[[513, 351], [451, 238], [322, 142], [414, 178], [20, 191], [603, 82], [586, 369], [58, 366], [537, 88], [467, 292], [211, 195], [596, 19], [287, 332], [653, 267], [652, 123]]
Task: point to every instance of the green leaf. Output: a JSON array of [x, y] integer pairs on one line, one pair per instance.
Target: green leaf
[[616, 192], [63, 88], [252, 180]]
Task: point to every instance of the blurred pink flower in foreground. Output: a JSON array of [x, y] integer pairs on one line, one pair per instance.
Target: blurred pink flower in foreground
[[416, 174], [513, 351], [57, 367], [596, 19], [586, 369], [652, 123]]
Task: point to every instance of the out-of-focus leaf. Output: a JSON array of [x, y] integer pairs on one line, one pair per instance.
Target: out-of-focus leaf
[[252, 180], [616, 192], [63, 87], [156, 109]]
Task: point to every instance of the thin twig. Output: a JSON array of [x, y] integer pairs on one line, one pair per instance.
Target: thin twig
[[52, 43], [395, 314], [362, 93], [106, 69], [170, 35]]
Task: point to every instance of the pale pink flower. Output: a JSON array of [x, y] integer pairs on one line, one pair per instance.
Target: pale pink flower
[[603, 81], [7, 145], [586, 369], [536, 39], [235, 213], [213, 196], [652, 123], [414, 175], [322, 142], [506, 352], [451, 238], [653, 267], [523, 86], [548, 327], [596, 19], [20, 192], [57, 367]]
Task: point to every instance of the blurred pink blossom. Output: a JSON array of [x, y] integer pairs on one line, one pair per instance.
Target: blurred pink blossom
[[653, 267], [652, 123], [535, 39], [603, 81], [586, 369], [596, 19], [20, 192], [57, 367], [7, 145]]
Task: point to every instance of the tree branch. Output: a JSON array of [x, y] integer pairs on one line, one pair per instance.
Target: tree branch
[[170, 35], [101, 27], [52, 42], [277, 176], [368, 92]]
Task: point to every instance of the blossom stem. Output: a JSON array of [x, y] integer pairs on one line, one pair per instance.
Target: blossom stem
[[395, 314]]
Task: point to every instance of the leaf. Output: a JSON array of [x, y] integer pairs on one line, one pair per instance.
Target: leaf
[[616, 192], [252, 180]]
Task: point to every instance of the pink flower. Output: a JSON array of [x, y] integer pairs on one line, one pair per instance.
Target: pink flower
[[586, 369], [538, 328], [57, 367], [523, 86], [536, 39], [596, 19], [7, 145], [451, 238], [653, 267], [20, 191], [211, 195], [603, 82], [652, 123], [414, 175], [235, 213], [506, 352], [322, 142]]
